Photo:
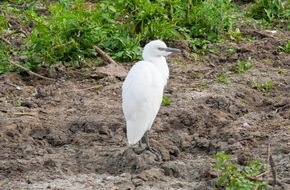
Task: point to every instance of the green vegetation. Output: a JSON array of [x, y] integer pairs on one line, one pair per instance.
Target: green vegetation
[[233, 176], [66, 31], [4, 56], [281, 71], [285, 48], [231, 51], [224, 78], [268, 10], [195, 74], [207, 21], [263, 87], [166, 101], [243, 66], [19, 102], [202, 85]]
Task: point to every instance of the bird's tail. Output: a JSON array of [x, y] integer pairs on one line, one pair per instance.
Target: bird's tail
[[135, 131]]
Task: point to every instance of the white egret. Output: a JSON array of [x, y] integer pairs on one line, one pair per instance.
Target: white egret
[[142, 90]]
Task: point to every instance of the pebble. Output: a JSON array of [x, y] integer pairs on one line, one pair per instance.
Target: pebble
[[231, 141]]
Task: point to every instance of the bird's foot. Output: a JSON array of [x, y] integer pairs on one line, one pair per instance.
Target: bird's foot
[[154, 151]]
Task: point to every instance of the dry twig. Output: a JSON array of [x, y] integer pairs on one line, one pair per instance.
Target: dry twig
[[79, 90], [105, 56], [19, 30], [263, 34], [25, 113], [5, 40], [30, 72], [271, 165], [256, 178]]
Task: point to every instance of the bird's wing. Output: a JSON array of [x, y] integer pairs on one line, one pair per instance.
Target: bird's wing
[[142, 97]]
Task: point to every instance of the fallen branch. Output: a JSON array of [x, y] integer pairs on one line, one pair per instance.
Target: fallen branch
[[5, 40], [105, 56], [19, 30], [11, 33], [264, 34], [256, 178], [271, 165], [84, 89], [30, 72], [273, 170], [25, 113]]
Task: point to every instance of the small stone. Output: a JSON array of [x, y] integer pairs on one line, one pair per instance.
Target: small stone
[[137, 182], [246, 125], [231, 141], [237, 136]]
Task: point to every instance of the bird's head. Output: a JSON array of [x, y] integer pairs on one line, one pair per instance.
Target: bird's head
[[157, 48]]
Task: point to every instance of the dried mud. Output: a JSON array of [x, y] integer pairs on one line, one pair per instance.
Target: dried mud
[[70, 134]]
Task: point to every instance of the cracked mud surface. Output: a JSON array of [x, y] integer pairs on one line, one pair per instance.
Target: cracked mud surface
[[70, 134]]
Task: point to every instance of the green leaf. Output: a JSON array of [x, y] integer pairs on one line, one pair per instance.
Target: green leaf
[[166, 101]]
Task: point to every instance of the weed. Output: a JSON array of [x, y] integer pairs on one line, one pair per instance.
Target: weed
[[19, 102], [243, 66], [195, 74], [267, 10], [224, 78], [233, 176], [4, 57], [67, 34], [285, 48], [231, 51], [281, 71], [202, 84], [209, 19], [235, 34], [264, 87], [166, 101]]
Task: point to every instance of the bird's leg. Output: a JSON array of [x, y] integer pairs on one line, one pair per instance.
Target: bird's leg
[[140, 143], [151, 149], [147, 141]]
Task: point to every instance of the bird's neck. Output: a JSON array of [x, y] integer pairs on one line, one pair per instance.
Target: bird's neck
[[161, 64]]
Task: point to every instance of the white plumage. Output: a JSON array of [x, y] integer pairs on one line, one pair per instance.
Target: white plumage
[[142, 90]]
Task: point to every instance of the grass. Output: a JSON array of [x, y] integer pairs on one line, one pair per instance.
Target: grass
[[285, 48], [166, 101], [267, 10], [243, 65], [233, 176], [67, 31], [224, 78], [263, 87]]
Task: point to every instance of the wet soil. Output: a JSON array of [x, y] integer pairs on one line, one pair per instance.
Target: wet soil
[[70, 134]]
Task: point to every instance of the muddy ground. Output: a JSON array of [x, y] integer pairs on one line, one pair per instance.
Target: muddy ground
[[70, 134]]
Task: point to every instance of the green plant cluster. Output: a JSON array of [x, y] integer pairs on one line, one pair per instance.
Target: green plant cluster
[[232, 176], [69, 29], [285, 48], [166, 101], [242, 66], [263, 87], [269, 10], [224, 78]]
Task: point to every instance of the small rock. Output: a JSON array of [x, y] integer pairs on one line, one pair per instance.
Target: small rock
[[246, 125], [286, 180], [237, 136], [137, 182], [28, 150], [231, 141]]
